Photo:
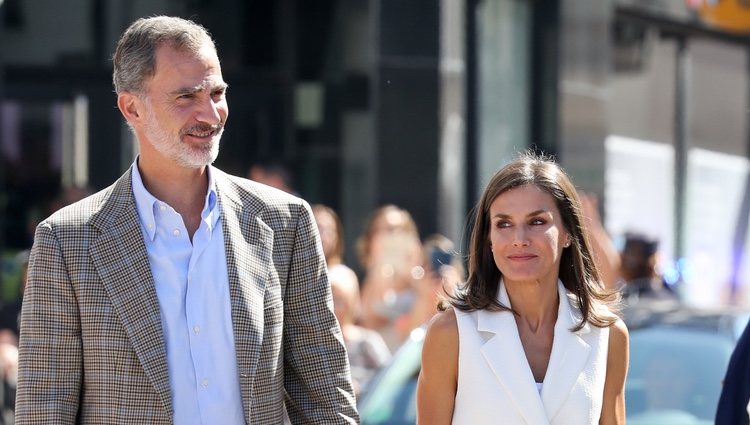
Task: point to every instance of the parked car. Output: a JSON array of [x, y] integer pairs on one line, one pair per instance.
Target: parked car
[[678, 357]]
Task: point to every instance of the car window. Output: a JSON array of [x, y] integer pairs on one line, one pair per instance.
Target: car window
[[675, 375]]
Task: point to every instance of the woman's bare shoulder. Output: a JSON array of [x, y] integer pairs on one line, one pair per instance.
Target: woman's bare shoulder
[[619, 329], [618, 334], [444, 322], [443, 329]]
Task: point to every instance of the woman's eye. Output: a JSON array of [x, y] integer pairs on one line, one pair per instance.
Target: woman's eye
[[537, 221], [503, 224]]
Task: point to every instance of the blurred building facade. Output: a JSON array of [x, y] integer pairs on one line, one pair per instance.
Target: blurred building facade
[[417, 103]]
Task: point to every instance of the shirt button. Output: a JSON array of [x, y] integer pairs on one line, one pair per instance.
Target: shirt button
[[176, 232], [197, 329], [162, 207], [204, 383], [150, 226]]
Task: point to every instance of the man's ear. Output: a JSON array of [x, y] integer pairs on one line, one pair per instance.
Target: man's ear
[[130, 106]]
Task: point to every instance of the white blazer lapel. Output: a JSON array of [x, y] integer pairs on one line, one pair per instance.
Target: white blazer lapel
[[505, 355], [569, 356]]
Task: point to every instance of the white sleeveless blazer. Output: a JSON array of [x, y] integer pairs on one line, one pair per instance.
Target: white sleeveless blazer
[[495, 383]]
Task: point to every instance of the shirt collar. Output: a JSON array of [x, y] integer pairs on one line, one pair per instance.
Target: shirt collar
[[146, 203], [210, 213]]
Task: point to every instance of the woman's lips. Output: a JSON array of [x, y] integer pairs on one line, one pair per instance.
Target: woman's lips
[[521, 257]]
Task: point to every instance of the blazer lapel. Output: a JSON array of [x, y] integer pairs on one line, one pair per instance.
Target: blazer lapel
[[119, 256], [569, 355], [505, 355], [247, 242]]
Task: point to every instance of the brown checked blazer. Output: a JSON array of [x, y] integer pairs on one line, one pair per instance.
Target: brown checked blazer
[[91, 347]]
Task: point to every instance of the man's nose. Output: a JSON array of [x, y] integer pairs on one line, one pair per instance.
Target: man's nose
[[210, 111]]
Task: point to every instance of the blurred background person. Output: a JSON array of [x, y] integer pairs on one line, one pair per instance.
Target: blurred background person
[[273, 173], [367, 350], [444, 272], [8, 375], [10, 310], [641, 279], [606, 255], [69, 195], [331, 235], [391, 254]]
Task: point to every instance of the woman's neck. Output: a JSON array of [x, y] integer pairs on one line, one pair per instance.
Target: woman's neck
[[535, 303]]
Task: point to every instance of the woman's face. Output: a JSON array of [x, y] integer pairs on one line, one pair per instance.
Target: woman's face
[[391, 221], [527, 235], [391, 236]]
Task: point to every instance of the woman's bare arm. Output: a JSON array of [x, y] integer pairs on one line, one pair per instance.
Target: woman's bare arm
[[613, 408], [438, 379]]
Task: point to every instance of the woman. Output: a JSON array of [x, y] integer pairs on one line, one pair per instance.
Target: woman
[[538, 341], [443, 272], [331, 234], [366, 349], [392, 256]]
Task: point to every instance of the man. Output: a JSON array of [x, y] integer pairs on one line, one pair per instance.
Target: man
[[179, 294], [734, 402], [272, 173], [642, 281]]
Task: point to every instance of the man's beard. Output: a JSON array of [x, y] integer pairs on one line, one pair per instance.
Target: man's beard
[[172, 146]]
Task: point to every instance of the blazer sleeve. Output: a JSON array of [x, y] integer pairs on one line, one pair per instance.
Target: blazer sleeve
[[50, 352], [735, 394], [316, 368]]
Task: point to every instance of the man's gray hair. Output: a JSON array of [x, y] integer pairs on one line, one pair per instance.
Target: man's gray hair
[[135, 56]]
